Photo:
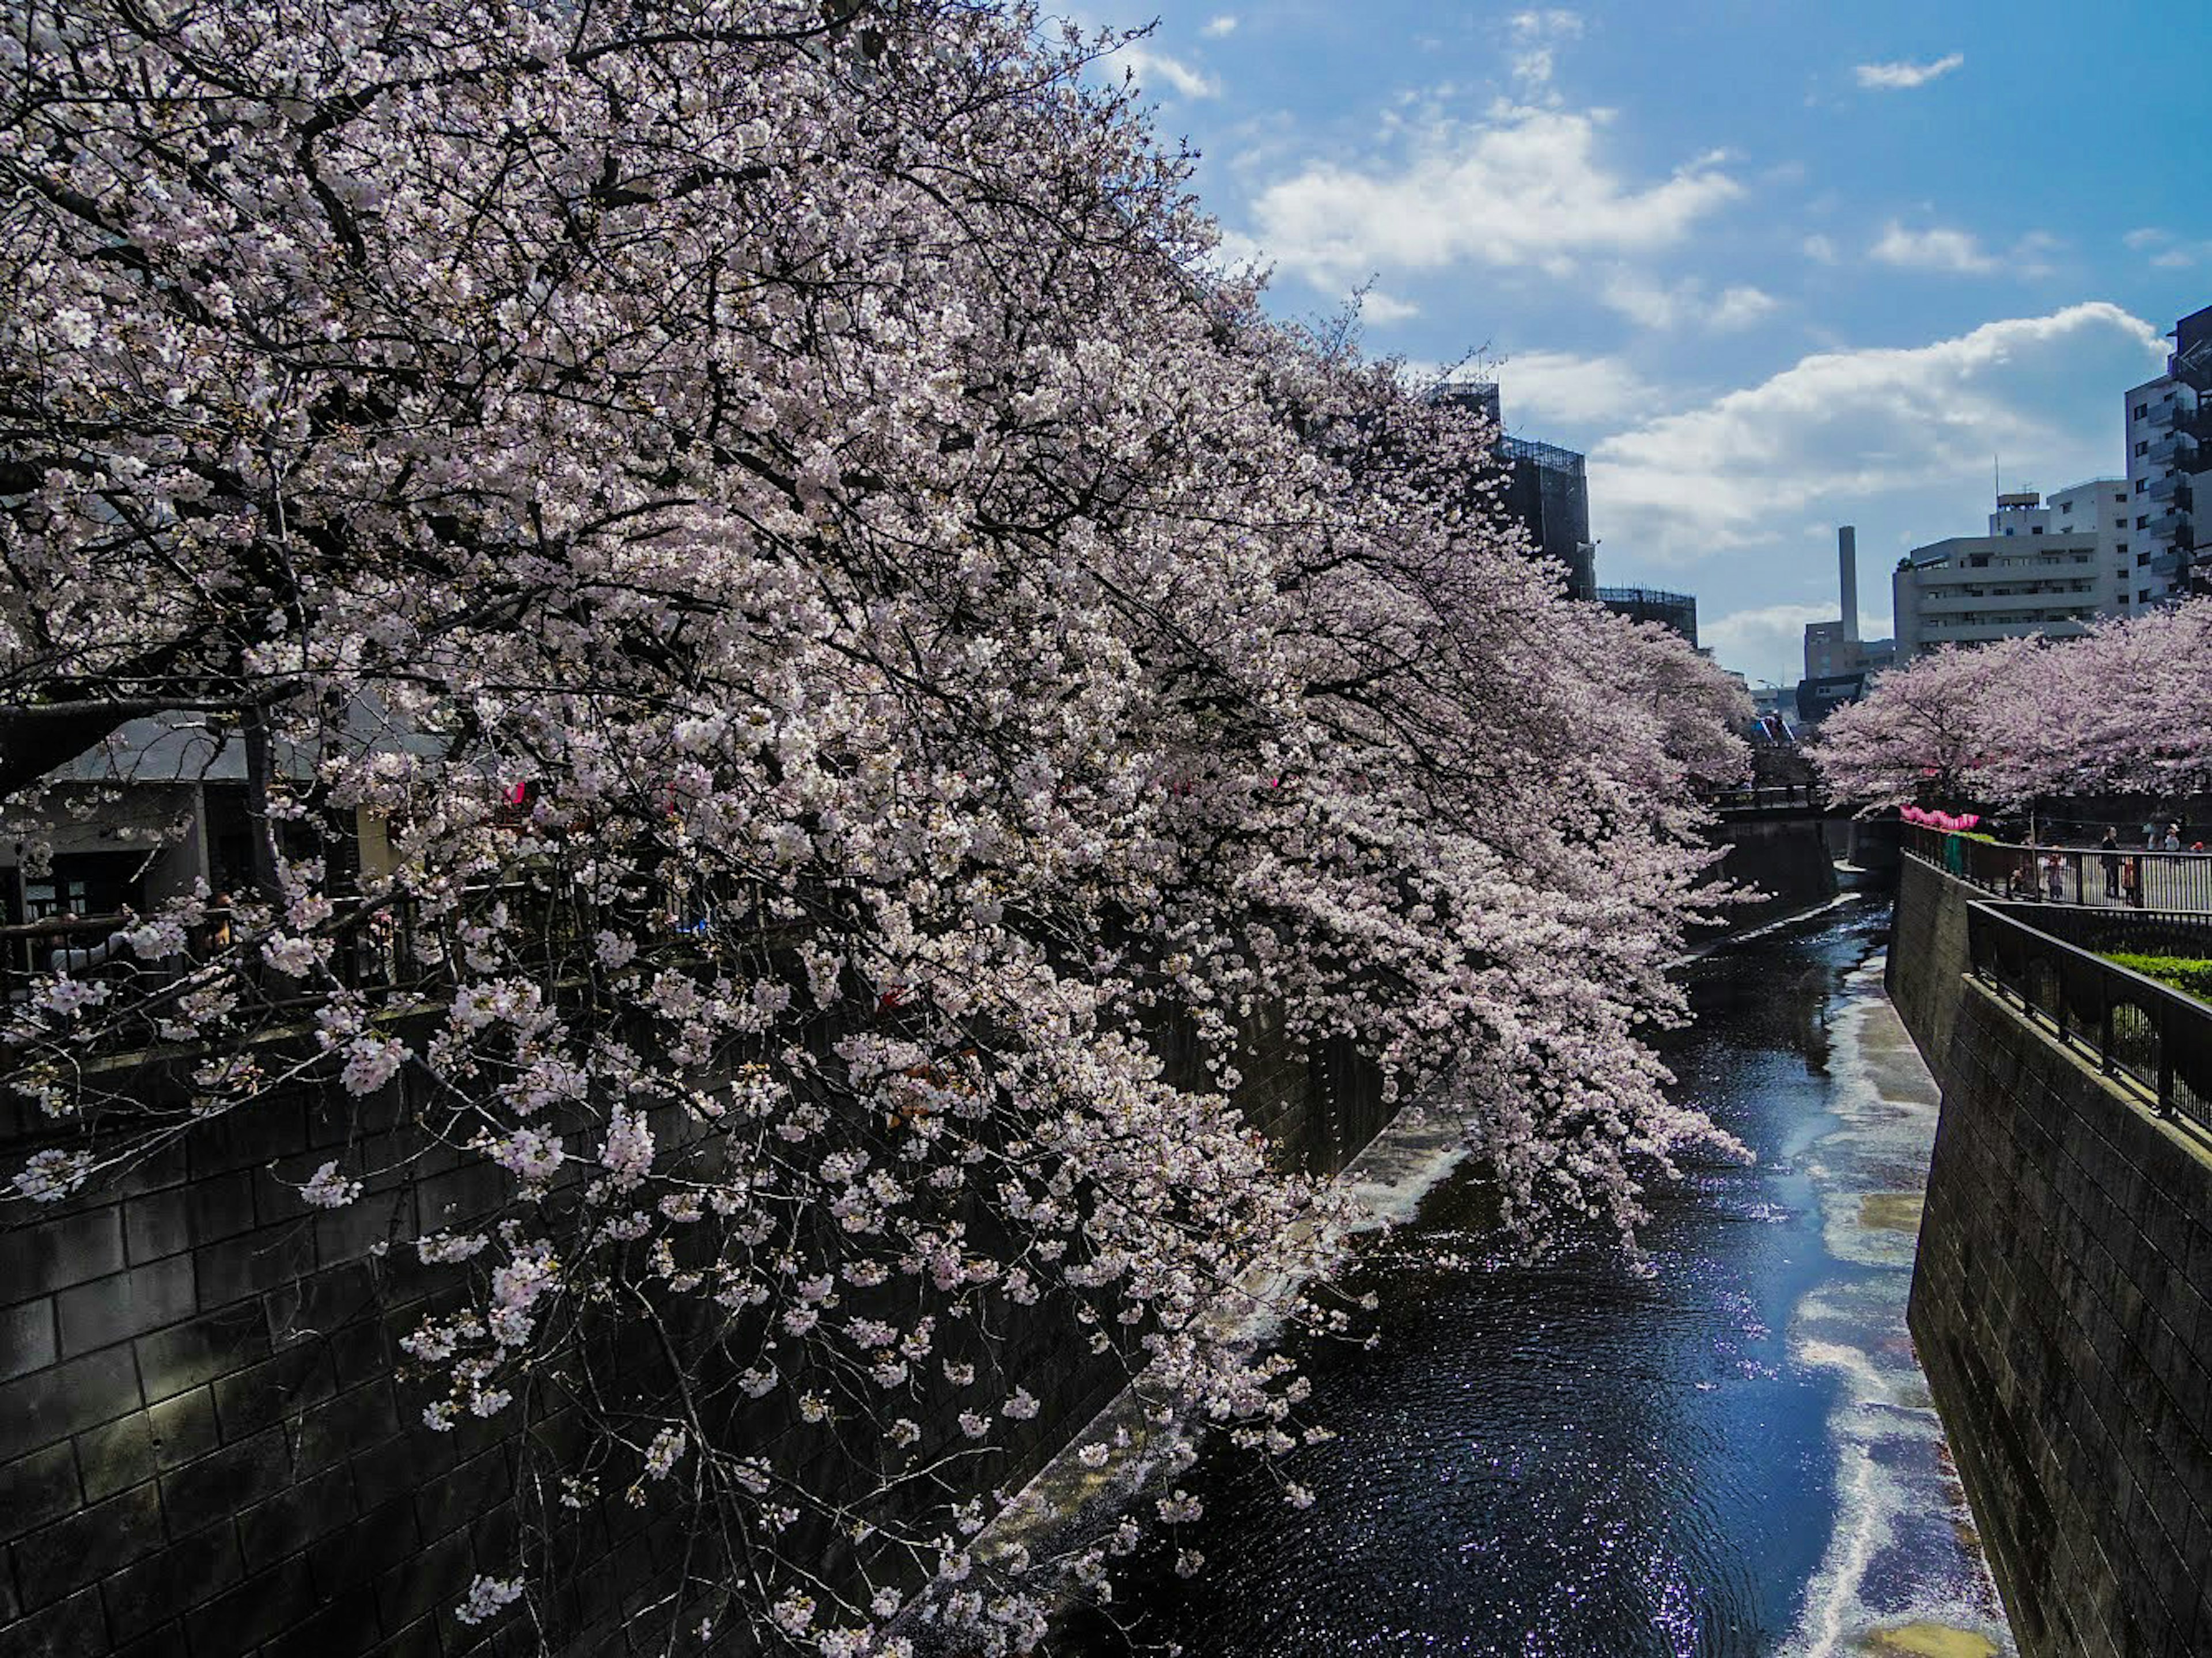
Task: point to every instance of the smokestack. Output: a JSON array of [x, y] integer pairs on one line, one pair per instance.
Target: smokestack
[[1847, 566]]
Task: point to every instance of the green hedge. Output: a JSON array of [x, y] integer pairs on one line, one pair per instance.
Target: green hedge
[[2193, 974]]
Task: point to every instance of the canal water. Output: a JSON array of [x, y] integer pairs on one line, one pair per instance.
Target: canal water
[[1729, 1451]]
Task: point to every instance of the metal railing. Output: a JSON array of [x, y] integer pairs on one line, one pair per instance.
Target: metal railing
[[1771, 797], [2126, 877], [2149, 1037]]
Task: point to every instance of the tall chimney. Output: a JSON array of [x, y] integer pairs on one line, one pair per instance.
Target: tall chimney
[[1847, 565]]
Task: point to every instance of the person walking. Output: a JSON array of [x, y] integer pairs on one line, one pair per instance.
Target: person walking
[[2131, 883], [2150, 835], [2173, 837], [2108, 854], [2054, 876]]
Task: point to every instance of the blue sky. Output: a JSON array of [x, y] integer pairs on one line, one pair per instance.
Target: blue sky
[[1774, 266]]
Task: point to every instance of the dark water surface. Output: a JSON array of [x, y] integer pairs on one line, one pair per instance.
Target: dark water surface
[[1730, 1453]]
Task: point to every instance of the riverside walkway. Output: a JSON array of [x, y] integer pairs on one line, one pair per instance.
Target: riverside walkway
[[2174, 882]]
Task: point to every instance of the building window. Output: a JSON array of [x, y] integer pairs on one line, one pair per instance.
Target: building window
[[2143, 598], [2142, 445], [2143, 523], [2142, 484], [2120, 497], [2035, 530], [2141, 559]]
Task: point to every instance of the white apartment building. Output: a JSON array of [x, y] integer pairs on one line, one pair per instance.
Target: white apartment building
[[2045, 567], [2161, 447]]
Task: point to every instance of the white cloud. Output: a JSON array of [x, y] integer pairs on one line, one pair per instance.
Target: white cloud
[[1903, 76], [1150, 66], [1220, 27], [1820, 249], [1525, 186], [2166, 251], [1740, 307], [1535, 38], [1958, 253], [1953, 251], [1843, 427], [1688, 303], [1376, 307], [1551, 388]]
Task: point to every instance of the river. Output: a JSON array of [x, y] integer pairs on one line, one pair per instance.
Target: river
[[1727, 1453]]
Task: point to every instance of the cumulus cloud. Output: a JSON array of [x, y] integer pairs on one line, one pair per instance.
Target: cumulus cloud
[[1687, 303], [1842, 427], [1220, 27], [1953, 251], [1153, 68], [1903, 76], [1376, 307], [1553, 388], [1526, 187], [1820, 249]]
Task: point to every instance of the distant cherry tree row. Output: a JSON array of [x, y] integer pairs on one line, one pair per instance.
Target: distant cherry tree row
[[2126, 707]]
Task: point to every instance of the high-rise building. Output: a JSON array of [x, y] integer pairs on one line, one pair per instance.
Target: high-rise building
[[1545, 490], [2169, 430], [2045, 567]]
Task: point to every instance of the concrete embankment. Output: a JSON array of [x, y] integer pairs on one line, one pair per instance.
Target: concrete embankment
[[2059, 1307]]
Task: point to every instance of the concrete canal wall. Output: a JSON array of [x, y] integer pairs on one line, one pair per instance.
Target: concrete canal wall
[[208, 1445], [1786, 856], [2060, 1312]]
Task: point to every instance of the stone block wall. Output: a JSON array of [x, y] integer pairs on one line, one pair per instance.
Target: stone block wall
[[206, 1450], [2062, 1308], [202, 1448]]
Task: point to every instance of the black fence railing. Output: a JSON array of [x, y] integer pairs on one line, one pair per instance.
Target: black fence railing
[[2147, 1036], [2125, 878], [1770, 796]]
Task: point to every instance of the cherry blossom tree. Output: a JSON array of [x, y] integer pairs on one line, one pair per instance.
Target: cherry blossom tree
[[1937, 730], [783, 636], [2121, 708]]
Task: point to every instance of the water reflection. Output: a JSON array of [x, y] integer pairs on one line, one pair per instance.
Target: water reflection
[[1729, 1455]]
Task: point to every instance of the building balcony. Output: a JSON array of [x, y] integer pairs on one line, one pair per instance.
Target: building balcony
[[2173, 488], [2170, 526], [2164, 417], [2176, 446]]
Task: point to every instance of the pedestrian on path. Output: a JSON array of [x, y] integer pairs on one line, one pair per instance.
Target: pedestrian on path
[[2131, 883], [2173, 837], [2109, 856], [2054, 876]]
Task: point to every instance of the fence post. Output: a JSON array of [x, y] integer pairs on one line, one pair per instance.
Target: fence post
[[2104, 1024], [2165, 1063]]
